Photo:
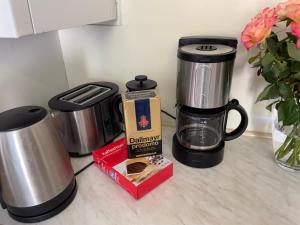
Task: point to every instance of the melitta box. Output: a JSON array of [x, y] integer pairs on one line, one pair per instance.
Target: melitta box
[[137, 176], [142, 123]]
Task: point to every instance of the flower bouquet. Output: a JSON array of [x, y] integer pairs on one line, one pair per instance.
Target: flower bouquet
[[275, 33]]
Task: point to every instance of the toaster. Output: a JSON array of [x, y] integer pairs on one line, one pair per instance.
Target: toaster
[[86, 116]]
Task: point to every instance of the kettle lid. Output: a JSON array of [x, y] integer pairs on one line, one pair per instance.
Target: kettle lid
[[21, 117], [140, 83]]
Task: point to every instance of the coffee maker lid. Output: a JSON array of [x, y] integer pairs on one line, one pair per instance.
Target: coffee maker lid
[[207, 49], [21, 117]]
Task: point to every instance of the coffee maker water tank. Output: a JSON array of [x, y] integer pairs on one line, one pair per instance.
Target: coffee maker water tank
[[205, 67]]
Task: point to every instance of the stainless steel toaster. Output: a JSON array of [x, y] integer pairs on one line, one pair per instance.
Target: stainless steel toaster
[[86, 117]]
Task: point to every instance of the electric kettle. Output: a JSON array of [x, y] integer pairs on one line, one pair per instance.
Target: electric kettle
[[37, 179]]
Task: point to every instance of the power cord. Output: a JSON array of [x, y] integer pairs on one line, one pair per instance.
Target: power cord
[[84, 168], [91, 163], [168, 114]]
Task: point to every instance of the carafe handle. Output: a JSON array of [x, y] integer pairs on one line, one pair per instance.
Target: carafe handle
[[234, 105]]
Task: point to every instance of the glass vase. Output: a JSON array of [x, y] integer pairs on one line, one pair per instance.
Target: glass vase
[[286, 144]]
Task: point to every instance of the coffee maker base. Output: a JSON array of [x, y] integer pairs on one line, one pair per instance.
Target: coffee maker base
[[197, 159]]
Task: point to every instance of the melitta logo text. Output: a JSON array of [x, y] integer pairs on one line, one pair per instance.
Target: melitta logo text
[[108, 151], [143, 139]]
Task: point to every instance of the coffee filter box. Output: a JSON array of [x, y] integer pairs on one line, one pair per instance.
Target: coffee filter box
[[142, 123], [138, 176]]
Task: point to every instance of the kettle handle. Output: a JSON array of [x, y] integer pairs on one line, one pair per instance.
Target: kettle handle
[[234, 105]]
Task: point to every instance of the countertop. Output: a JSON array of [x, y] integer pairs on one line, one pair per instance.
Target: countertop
[[246, 188]]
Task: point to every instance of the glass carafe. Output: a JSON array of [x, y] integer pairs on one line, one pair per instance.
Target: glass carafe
[[204, 129]]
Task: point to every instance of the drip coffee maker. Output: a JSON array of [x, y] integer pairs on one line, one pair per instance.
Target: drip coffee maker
[[205, 66]]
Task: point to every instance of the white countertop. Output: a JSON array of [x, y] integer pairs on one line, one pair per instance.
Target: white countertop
[[246, 188]]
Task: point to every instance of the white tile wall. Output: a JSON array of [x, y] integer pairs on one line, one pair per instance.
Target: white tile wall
[[32, 70]]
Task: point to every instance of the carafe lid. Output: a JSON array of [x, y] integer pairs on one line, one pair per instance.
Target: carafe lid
[[140, 83], [21, 117]]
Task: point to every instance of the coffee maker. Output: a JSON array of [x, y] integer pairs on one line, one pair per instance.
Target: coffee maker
[[205, 66]]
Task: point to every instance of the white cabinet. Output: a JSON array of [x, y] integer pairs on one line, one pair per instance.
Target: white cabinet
[[24, 17], [15, 18]]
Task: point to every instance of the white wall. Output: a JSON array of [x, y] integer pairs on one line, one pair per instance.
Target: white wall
[[32, 70], [146, 43]]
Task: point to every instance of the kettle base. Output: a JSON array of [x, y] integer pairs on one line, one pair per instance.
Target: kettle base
[[195, 158], [46, 210]]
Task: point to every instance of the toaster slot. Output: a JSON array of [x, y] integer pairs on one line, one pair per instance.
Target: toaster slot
[[85, 94], [77, 93], [89, 96]]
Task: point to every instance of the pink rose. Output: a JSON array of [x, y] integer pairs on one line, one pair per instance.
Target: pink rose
[[289, 9], [259, 28], [295, 30], [283, 9], [294, 14]]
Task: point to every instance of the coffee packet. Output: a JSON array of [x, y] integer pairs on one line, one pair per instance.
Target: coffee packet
[[143, 123]]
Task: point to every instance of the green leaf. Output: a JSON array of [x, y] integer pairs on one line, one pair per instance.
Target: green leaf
[[284, 148], [269, 107], [269, 74], [292, 37], [270, 92], [281, 65], [252, 59], [294, 66], [284, 89], [288, 22], [267, 59], [293, 51], [257, 64], [272, 45], [288, 112], [263, 45], [284, 73], [282, 51], [276, 70], [277, 106], [297, 76]]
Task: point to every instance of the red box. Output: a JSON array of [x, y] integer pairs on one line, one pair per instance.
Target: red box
[[138, 176]]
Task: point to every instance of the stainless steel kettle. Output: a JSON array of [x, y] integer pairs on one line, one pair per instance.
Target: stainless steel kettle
[[37, 179]]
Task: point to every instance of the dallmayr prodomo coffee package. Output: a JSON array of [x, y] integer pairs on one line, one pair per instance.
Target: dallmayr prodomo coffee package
[[143, 123]]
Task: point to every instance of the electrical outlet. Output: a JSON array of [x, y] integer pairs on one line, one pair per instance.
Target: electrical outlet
[[118, 20]]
